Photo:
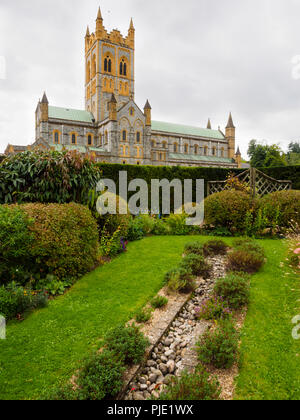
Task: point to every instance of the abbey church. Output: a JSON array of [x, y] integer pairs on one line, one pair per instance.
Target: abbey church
[[113, 128]]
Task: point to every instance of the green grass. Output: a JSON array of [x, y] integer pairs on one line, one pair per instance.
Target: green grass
[[270, 357], [47, 348]]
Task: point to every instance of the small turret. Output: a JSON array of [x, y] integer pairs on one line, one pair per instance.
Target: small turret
[[230, 136], [99, 25], [44, 108], [209, 124], [131, 35], [147, 113], [238, 158]]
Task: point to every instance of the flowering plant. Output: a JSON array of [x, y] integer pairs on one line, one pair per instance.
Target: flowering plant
[[213, 308]]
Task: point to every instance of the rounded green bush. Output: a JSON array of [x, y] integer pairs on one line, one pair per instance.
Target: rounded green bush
[[101, 377], [128, 343], [227, 209], [235, 290], [282, 208], [197, 265], [219, 346]]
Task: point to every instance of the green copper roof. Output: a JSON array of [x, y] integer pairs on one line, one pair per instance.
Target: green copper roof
[[182, 156], [70, 114], [186, 130]]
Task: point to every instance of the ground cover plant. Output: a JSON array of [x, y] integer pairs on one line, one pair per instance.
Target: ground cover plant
[[159, 302], [197, 265]]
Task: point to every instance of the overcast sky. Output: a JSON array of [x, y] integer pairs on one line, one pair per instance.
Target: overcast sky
[[194, 59]]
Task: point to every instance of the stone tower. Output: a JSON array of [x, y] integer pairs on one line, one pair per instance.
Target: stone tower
[[109, 63], [230, 136]]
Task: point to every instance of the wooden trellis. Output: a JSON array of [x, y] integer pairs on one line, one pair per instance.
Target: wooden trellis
[[259, 183]]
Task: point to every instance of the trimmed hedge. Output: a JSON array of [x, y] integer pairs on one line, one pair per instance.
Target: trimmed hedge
[[282, 207], [60, 239]]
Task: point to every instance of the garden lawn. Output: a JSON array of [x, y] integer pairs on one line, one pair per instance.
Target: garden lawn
[[47, 348], [270, 357]]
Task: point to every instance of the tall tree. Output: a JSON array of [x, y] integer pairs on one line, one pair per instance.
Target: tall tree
[[265, 156]]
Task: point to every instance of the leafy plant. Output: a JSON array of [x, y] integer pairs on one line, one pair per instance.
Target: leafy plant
[[197, 265], [143, 316], [15, 300], [159, 302], [196, 386], [234, 288], [128, 343], [180, 280], [47, 177], [213, 308], [219, 346], [282, 207]]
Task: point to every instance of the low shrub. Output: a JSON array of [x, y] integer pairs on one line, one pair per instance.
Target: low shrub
[[249, 244], [242, 260], [101, 377], [180, 280], [193, 248], [282, 207], [128, 343], [213, 308], [53, 285], [143, 316], [196, 386], [234, 289], [15, 300], [161, 228], [112, 245], [228, 209], [214, 247], [159, 302], [197, 265], [219, 346]]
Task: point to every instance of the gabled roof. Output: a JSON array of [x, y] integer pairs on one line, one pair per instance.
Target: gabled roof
[[187, 130], [70, 114]]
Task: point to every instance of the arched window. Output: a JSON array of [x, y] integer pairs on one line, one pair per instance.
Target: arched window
[[196, 149], [106, 137], [138, 137], [164, 144], [138, 163], [94, 66], [175, 147], [205, 150], [88, 72], [73, 138], [56, 137], [90, 140], [121, 68], [153, 143], [125, 69], [186, 148], [109, 66], [124, 135], [105, 64], [214, 151], [222, 152], [100, 139]]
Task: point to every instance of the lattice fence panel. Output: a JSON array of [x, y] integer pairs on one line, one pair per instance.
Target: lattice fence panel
[[259, 183]]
